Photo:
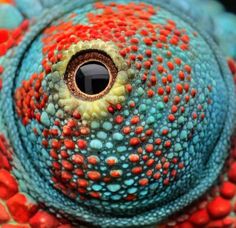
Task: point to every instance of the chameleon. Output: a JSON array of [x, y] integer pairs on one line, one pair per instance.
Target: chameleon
[[117, 114]]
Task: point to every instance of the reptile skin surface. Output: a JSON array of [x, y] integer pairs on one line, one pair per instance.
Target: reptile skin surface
[[117, 114]]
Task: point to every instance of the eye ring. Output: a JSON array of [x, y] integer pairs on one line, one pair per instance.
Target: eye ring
[[85, 58]]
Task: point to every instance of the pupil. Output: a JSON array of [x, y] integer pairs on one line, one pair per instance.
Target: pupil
[[92, 77]]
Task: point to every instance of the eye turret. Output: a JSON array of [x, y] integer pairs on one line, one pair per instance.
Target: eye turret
[[124, 112]]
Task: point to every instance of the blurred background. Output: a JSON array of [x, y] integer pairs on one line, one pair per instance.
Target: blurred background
[[230, 5]]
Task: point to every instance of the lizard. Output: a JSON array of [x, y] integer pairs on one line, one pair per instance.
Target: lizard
[[117, 114]]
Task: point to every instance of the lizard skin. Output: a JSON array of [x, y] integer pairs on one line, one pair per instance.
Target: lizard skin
[[155, 143]]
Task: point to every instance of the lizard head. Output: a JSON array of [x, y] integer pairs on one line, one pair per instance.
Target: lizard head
[[121, 112]]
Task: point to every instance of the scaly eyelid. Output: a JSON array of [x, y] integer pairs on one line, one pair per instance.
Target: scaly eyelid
[[89, 108]]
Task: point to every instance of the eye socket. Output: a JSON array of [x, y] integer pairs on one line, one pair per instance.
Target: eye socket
[[90, 74]]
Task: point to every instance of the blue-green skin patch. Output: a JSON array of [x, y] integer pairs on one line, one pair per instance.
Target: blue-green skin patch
[[201, 145]]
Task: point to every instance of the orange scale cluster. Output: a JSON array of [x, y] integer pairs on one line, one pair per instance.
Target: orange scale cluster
[[30, 98], [12, 37], [137, 129], [65, 167], [129, 10], [103, 26], [166, 90], [180, 38], [146, 156], [114, 108], [153, 170]]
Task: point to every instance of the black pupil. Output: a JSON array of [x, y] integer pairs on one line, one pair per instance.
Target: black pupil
[[92, 77]]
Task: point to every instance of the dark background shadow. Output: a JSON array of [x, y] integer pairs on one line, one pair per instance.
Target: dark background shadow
[[230, 5]]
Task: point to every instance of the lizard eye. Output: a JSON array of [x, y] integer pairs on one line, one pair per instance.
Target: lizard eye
[[121, 112], [90, 74]]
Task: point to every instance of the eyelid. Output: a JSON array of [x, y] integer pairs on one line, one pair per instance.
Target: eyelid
[[89, 109]]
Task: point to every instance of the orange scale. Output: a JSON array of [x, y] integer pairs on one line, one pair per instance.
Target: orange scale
[[188, 69], [159, 59], [115, 173], [137, 170], [132, 104], [149, 173], [174, 41], [111, 161], [171, 118], [56, 165], [184, 47], [82, 183], [185, 38], [150, 93], [94, 175], [158, 166], [139, 130], [53, 154], [149, 132], [167, 144], [82, 191], [134, 40], [128, 88], [123, 52], [150, 162], [149, 148], [147, 64], [66, 176], [165, 99], [158, 153], [44, 142], [194, 115], [165, 172], [133, 58], [168, 89], [79, 172], [157, 176], [92, 160], [182, 109], [166, 181], [67, 165], [144, 32], [173, 173], [134, 48], [138, 66], [181, 165], [143, 181], [159, 45], [170, 65], [174, 109], [176, 100]]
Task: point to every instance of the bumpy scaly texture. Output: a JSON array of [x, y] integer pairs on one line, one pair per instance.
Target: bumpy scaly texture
[[154, 143]]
